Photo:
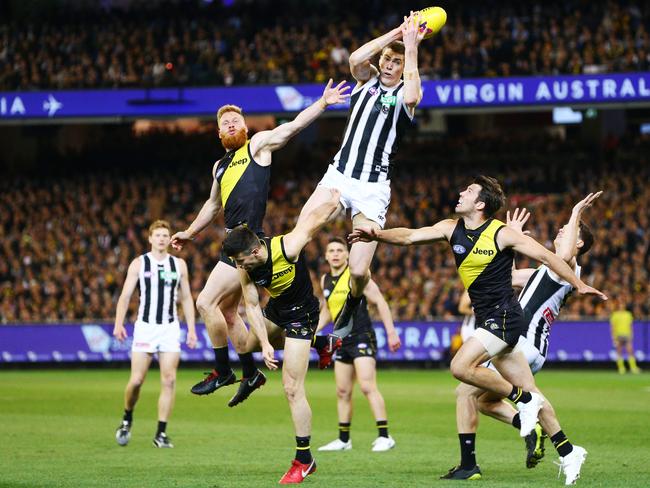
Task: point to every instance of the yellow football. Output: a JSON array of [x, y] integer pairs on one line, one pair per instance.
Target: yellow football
[[432, 19]]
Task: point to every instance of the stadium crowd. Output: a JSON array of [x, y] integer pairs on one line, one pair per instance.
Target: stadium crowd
[[66, 241], [193, 43]]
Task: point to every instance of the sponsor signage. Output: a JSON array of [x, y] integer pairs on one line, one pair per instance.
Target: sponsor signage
[[445, 94]]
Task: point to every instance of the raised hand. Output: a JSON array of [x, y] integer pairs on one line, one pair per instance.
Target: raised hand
[[586, 202], [518, 219], [412, 35], [335, 95]]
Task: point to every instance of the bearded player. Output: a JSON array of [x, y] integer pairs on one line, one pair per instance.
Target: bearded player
[[241, 186]]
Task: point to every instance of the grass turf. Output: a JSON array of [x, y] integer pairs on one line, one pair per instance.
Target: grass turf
[[58, 428]]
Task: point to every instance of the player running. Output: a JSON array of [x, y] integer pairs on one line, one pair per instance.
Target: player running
[[382, 106], [159, 276], [484, 250], [278, 264], [543, 295], [241, 186], [356, 358]]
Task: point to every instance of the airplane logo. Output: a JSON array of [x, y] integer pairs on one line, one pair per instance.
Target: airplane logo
[[51, 105]]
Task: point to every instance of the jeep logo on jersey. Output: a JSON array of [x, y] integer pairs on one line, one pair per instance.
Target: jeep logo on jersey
[[281, 273], [238, 162], [458, 249], [484, 252]]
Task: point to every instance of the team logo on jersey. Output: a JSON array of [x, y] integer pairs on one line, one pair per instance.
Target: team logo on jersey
[[458, 249], [483, 252], [326, 293], [385, 109], [373, 90], [388, 100], [491, 323]]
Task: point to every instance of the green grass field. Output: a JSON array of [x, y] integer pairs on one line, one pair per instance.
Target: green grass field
[[57, 430]]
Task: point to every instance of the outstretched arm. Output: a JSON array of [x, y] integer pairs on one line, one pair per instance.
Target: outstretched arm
[[374, 297], [207, 214], [305, 229], [534, 250], [265, 142], [360, 66], [125, 297], [567, 244], [256, 318], [412, 36], [402, 236]]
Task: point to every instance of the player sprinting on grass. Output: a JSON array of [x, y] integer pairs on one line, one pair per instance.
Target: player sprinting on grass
[[382, 106], [356, 357], [542, 297], [484, 250], [161, 278], [278, 265], [241, 186]]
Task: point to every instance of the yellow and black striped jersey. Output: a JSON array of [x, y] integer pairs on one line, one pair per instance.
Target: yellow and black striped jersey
[[335, 290], [244, 188], [485, 270], [288, 282]]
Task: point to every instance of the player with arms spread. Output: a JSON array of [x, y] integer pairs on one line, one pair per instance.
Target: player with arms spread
[[542, 297], [241, 186], [484, 251]]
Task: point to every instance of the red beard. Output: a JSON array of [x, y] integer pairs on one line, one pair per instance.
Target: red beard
[[234, 142]]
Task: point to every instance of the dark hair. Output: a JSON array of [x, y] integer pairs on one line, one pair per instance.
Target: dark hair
[[491, 194], [338, 240], [586, 237], [240, 239], [395, 46]]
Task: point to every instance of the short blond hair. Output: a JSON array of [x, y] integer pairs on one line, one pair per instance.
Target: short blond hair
[[160, 224], [228, 108]]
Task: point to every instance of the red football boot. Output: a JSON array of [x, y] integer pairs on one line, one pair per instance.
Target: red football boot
[[298, 472]]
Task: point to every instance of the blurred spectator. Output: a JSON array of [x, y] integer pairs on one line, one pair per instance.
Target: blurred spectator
[[196, 43], [66, 241]]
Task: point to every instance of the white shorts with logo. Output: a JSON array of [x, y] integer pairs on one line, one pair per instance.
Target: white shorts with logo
[[156, 337], [369, 198], [533, 356]]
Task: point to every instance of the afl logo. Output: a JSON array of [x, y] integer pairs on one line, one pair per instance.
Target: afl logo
[[326, 293], [458, 249]]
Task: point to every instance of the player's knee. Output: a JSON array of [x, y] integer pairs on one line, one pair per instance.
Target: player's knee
[[462, 391], [359, 272], [168, 380], [293, 390], [367, 387], [136, 381], [204, 304], [344, 393], [460, 370]]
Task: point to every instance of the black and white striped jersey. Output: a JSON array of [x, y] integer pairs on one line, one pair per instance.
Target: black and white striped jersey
[[159, 283], [376, 122], [541, 300]]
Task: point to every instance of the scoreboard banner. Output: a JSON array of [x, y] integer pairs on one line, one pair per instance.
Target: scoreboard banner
[[421, 341], [597, 89]]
